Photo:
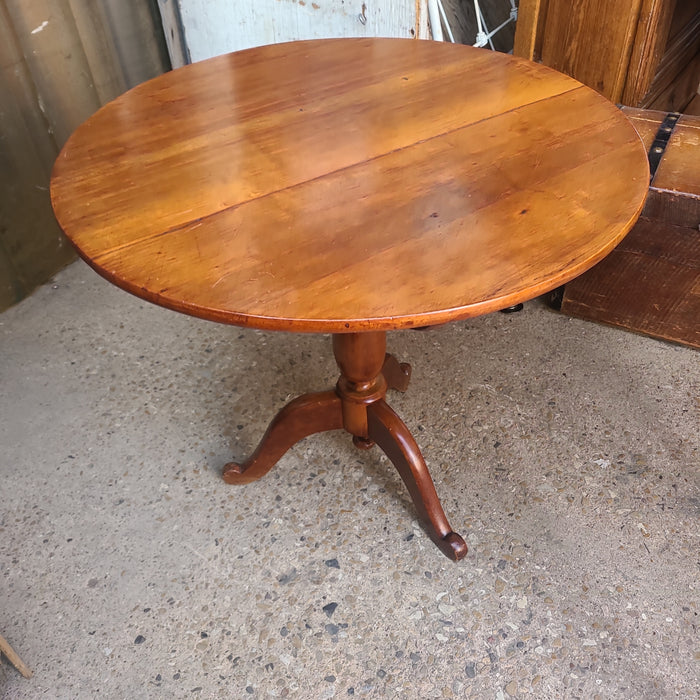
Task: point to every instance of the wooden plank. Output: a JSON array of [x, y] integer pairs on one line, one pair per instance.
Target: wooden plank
[[422, 23], [679, 54], [671, 207], [694, 107], [674, 196], [684, 12], [651, 38], [681, 91], [592, 40], [530, 28], [14, 658], [679, 171], [646, 122], [649, 284]]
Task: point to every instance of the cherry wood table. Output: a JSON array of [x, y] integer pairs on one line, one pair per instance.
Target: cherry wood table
[[350, 187]]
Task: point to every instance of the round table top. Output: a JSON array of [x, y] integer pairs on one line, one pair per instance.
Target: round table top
[[350, 185]]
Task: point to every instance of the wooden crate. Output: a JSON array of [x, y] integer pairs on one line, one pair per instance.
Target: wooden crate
[[650, 283]]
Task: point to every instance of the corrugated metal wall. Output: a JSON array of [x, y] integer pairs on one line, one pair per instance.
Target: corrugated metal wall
[[60, 60]]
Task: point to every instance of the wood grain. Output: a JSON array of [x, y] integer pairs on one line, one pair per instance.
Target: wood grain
[[674, 194], [679, 169], [650, 41], [529, 29], [14, 659], [637, 52], [349, 185], [650, 283], [679, 53], [677, 94], [593, 40]]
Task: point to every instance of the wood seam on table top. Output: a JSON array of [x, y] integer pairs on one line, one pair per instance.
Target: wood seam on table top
[[233, 207], [388, 322]]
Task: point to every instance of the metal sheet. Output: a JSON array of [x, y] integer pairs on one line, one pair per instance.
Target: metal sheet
[[59, 61], [213, 27]]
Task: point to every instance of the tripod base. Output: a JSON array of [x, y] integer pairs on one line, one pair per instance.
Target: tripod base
[[358, 405]]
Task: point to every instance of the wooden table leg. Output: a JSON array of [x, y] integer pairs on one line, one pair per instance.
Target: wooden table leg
[[305, 415], [358, 405], [392, 435], [397, 374]]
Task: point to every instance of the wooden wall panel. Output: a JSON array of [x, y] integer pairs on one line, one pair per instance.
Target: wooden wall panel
[[649, 46], [678, 94], [637, 52], [593, 41], [529, 29]]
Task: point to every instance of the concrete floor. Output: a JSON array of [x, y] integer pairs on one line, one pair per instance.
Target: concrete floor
[[566, 453]]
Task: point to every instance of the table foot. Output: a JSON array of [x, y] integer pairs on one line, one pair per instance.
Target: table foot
[[305, 415], [358, 406], [392, 435], [362, 443], [397, 374]]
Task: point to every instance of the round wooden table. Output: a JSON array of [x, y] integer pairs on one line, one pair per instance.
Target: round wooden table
[[351, 187]]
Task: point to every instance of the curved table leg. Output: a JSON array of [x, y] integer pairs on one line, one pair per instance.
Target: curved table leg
[[305, 415], [397, 374], [392, 435], [357, 405]]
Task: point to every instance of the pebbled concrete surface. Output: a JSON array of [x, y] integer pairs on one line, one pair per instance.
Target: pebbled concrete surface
[[566, 453]]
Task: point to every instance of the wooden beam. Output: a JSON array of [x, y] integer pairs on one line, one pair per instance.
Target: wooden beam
[[529, 28], [13, 657]]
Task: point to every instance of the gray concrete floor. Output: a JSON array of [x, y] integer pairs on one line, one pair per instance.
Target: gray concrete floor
[[566, 453]]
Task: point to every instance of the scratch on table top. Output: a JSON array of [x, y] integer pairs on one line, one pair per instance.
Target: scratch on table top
[[41, 27], [222, 278]]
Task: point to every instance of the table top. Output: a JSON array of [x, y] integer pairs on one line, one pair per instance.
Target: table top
[[350, 184]]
